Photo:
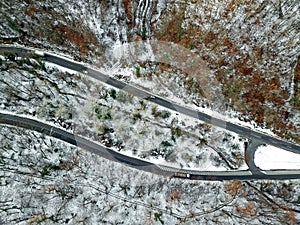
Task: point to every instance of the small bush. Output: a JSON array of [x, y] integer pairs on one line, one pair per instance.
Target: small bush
[[48, 168], [232, 187], [176, 131], [164, 114], [103, 113], [157, 217], [137, 71], [166, 144], [144, 32], [136, 115], [121, 96], [113, 93], [173, 195]]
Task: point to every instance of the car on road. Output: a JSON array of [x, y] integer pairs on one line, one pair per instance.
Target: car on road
[[149, 97], [182, 175]]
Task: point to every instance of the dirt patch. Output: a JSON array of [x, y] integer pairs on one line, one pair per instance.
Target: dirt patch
[[31, 10], [82, 40], [128, 10], [258, 93]]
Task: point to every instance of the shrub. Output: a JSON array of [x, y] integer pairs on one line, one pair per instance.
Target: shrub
[[137, 71], [113, 93], [157, 217], [162, 114], [47, 169], [136, 115], [121, 96], [176, 131], [102, 113], [232, 187], [173, 195]]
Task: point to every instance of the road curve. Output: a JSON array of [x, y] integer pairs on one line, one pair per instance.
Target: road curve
[[244, 131], [81, 142], [249, 157], [112, 155], [255, 136]]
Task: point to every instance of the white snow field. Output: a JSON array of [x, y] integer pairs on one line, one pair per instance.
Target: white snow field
[[269, 157]]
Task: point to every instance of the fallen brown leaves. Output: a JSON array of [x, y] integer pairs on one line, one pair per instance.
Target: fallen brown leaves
[[173, 195], [232, 187], [253, 90], [248, 210], [82, 40]]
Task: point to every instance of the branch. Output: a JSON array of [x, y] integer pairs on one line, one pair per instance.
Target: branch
[[285, 208]]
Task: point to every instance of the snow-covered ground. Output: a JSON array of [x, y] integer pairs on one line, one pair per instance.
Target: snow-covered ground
[[117, 119], [45, 181], [269, 158]]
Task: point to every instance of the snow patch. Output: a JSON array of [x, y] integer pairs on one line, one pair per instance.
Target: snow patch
[[61, 68], [269, 157]]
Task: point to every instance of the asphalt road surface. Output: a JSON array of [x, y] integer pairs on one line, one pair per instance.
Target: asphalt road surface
[[139, 164], [256, 137]]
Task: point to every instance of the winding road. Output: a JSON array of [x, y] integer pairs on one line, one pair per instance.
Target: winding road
[[257, 138]]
